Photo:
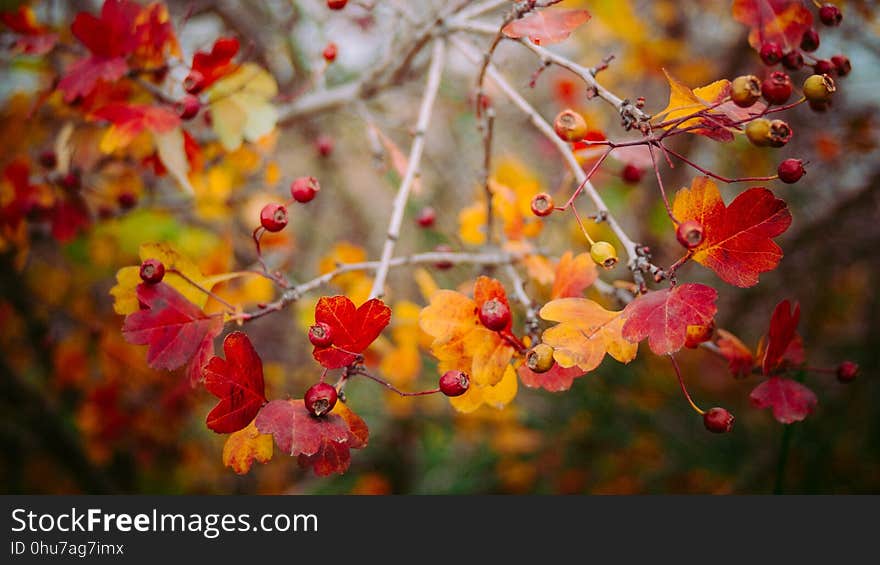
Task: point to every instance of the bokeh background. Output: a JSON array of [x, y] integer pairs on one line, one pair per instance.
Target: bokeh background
[[81, 412]]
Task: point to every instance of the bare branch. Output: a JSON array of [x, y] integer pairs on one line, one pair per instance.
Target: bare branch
[[435, 71]]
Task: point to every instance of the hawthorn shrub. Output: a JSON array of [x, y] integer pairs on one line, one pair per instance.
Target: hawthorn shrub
[[235, 234]]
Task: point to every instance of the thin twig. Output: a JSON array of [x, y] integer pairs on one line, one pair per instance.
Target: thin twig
[[293, 294], [415, 156], [545, 128]]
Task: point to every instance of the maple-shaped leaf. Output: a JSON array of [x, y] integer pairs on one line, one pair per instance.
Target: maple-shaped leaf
[[737, 239], [573, 275], [241, 107], [557, 379], [790, 400], [324, 442], [352, 328], [237, 381], [175, 329], [663, 316], [110, 38], [129, 120], [778, 21], [585, 333], [216, 63], [128, 278], [461, 342], [739, 357], [544, 27], [244, 447], [719, 119], [35, 38]]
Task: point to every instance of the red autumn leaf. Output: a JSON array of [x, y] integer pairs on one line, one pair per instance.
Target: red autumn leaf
[[352, 329], [173, 327], [238, 382], [13, 210], [663, 316], [783, 328], [68, 217], [216, 63], [557, 379], [155, 37], [35, 39], [779, 21], [109, 39], [739, 357], [737, 242], [321, 442], [129, 120], [547, 26], [790, 400]]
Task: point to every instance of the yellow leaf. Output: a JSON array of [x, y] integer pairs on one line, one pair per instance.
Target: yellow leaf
[[127, 278], [170, 147], [585, 332], [244, 447], [240, 105], [684, 102]]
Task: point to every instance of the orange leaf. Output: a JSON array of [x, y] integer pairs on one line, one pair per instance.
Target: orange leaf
[[737, 242], [585, 333], [244, 447], [739, 357], [547, 26], [573, 275]]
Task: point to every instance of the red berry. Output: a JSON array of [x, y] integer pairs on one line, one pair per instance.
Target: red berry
[[770, 53], [790, 171], [810, 40], [847, 371], [830, 15], [304, 189], [718, 420], [225, 48], [824, 67], [152, 271], [324, 145], [48, 159], [793, 60], [841, 65], [330, 52], [632, 174], [780, 133], [689, 233], [189, 107], [194, 82], [426, 218], [454, 383], [443, 265], [776, 88], [71, 181], [320, 399], [495, 314], [126, 200], [273, 217], [321, 335], [336, 4], [542, 205]]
